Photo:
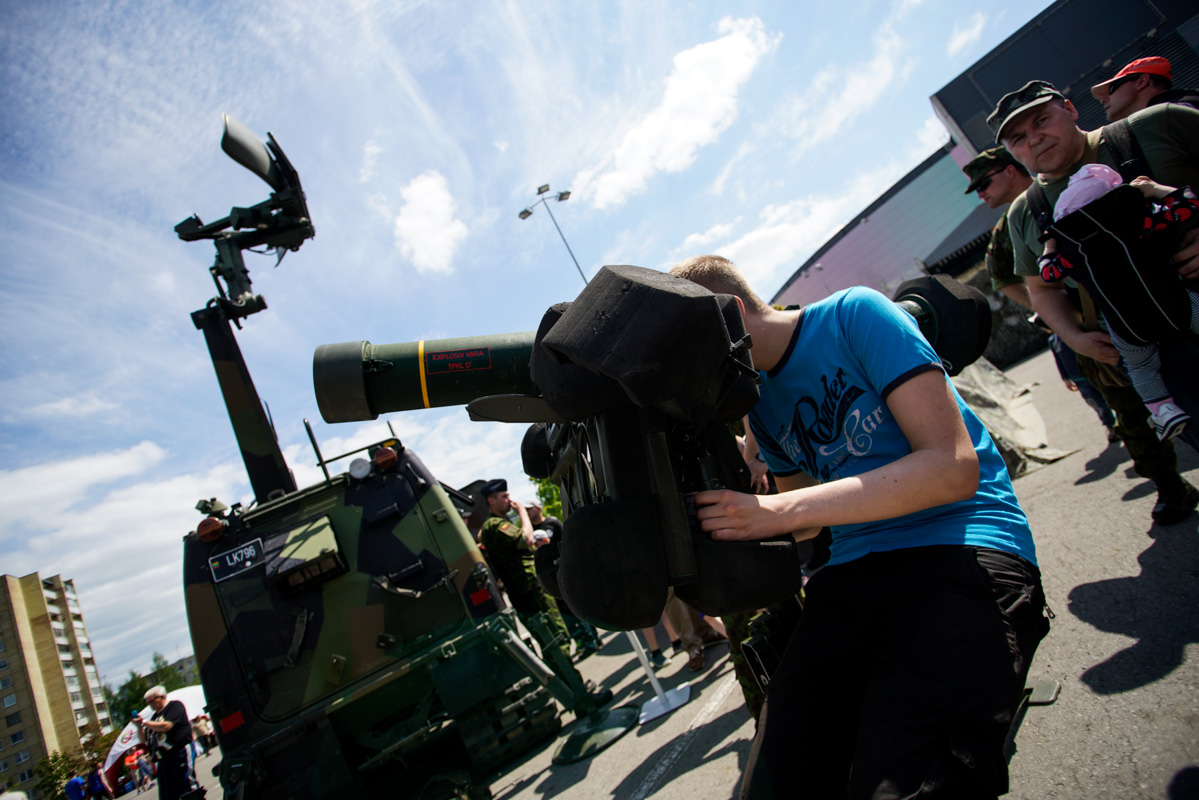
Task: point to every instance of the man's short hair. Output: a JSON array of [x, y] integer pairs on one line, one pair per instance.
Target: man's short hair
[[1165, 84], [154, 691], [719, 275]]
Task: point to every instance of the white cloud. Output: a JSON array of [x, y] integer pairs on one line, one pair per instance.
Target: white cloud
[[426, 230], [697, 240], [839, 94], [722, 179], [501, 146], [932, 134], [698, 104], [790, 232], [966, 34], [120, 545], [34, 495], [370, 155], [79, 406]]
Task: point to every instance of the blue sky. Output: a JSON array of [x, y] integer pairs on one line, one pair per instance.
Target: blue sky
[[420, 130]]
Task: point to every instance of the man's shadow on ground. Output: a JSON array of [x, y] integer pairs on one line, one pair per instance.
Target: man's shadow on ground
[[1104, 464], [1157, 608]]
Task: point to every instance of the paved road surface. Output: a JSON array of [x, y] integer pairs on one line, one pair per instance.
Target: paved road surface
[[1123, 646]]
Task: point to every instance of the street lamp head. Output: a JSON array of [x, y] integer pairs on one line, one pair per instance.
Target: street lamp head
[[543, 189], [563, 196], [528, 212]]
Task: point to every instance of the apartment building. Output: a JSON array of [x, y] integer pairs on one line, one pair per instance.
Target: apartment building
[[49, 684]]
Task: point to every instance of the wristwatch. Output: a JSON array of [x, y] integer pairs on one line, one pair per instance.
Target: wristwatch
[[759, 457]]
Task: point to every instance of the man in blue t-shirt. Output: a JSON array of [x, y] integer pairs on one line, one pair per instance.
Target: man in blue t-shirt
[[74, 788], [910, 658]]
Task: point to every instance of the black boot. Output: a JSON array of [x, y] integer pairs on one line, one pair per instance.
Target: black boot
[[1176, 499]]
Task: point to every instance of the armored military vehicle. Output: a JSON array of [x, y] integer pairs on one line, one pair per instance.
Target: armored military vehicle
[[349, 638]]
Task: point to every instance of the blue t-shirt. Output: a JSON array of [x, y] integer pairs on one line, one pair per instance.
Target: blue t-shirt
[[823, 412], [74, 788]]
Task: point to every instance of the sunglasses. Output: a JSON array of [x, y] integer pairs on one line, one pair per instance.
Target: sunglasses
[[1116, 84], [985, 182]]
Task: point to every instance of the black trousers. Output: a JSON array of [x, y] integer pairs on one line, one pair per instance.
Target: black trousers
[[902, 679], [172, 774]]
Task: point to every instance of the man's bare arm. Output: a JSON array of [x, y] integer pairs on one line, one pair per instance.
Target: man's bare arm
[[1018, 294], [941, 468], [1054, 306], [758, 482]]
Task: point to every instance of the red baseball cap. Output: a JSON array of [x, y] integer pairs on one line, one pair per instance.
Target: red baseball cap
[[1153, 65]]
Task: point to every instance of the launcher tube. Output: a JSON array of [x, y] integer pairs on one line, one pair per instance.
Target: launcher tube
[[359, 380]]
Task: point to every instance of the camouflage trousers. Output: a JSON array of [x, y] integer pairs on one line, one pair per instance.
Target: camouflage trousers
[[550, 631], [737, 626], [1151, 458]]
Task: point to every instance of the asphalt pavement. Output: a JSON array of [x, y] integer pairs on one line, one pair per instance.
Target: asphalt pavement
[[1122, 646]]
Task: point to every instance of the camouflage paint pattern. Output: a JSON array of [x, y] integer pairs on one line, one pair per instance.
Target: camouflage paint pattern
[[340, 632]]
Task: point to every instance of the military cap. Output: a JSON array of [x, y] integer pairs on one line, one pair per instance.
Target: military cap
[[493, 486], [1033, 93], [984, 163]]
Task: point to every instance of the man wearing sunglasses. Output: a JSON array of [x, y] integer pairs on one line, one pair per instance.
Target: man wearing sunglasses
[[1140, 84], [999, 179]]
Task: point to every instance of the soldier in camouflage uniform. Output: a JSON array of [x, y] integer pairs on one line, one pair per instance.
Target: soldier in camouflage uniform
[[999, 179], [510, 550]]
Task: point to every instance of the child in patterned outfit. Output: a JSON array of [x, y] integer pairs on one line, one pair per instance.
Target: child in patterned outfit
[[1168, 213]]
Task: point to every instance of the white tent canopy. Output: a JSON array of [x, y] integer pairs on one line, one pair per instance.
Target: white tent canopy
[[193, 700]]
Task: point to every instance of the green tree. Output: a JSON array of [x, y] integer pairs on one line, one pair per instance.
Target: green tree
[[127, 699], [94, 744], [171, 678], [52, 772], [547, 493]]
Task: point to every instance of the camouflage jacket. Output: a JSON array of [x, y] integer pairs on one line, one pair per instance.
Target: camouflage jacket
[[1001, 262], [510, 557]]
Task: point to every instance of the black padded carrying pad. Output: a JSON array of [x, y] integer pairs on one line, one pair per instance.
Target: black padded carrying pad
[[663, 339], [571, 391], [535, 454], [742, 576], [963, 318], [612, 567]]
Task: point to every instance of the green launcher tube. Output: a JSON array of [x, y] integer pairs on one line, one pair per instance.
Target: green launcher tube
[[359, 381]]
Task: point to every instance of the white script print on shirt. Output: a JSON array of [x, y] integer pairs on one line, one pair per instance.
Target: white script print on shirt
[[830, 428]]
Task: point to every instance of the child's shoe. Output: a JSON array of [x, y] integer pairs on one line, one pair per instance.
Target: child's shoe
[[1169, 420]]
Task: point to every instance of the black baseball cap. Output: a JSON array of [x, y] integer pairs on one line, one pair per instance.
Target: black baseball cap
[[1033, 93]]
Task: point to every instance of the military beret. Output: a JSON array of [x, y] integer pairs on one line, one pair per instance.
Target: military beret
[[986, 162], [493, 486], [1033, 93]]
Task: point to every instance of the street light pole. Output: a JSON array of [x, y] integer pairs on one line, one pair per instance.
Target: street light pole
[[561, 196]]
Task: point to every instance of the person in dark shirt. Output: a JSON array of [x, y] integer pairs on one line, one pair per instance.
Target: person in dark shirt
[[168, 733], [97, 781]]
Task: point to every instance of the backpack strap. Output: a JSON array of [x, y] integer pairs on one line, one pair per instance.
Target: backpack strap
[[1042, 212], [1125, 150]]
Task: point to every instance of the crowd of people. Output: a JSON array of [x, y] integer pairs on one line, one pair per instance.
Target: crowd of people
[[921, 627]]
